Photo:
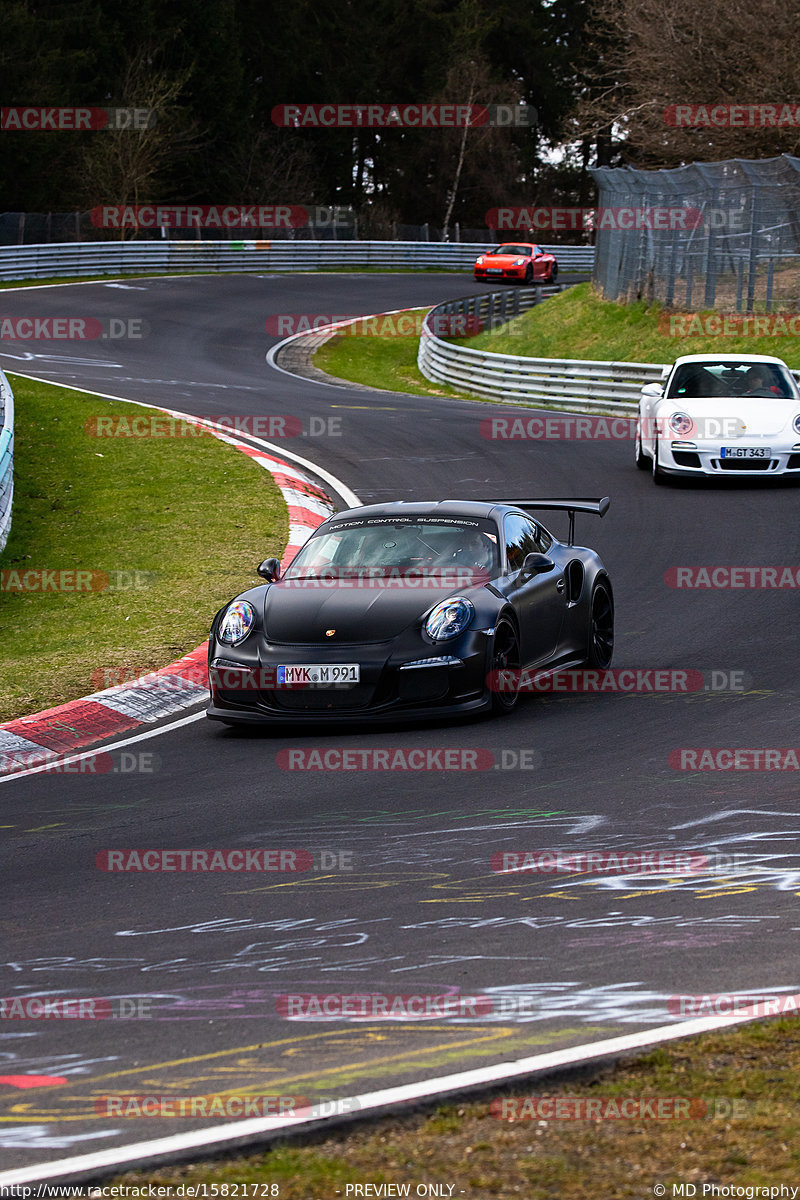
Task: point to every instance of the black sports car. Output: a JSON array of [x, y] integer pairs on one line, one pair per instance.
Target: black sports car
[[408, 609]]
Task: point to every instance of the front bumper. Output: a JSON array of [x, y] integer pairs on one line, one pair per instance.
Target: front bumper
[[705, 459], [452, 681], [514, 273]]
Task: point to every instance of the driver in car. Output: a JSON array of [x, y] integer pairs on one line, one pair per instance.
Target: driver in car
[[757, 382]]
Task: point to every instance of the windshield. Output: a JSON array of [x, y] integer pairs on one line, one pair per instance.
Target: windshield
[[526, 251], [730, 377], [387, 547]]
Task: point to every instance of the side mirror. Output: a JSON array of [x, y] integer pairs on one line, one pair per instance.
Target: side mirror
[[536, 564], [270, 570], [653, 390]]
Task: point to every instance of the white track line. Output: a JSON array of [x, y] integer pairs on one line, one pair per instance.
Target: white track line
[[369, 1103], [274, 350], [55, 765]]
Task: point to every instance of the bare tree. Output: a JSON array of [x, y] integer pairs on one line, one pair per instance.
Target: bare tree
[[477, 153], [651, 55], [126, 166]]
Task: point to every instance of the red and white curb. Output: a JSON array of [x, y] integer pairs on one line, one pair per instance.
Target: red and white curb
[[42, 737]]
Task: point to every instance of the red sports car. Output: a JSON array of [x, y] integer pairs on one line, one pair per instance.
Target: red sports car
[[520, 261]]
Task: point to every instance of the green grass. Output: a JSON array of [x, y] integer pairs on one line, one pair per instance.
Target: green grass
[[388, 363], [191, 515], [464, 1145], [579, 324]]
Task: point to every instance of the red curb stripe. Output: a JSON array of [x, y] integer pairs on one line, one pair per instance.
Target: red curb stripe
[[304, 516], [71, 726], [188, 664], [31, 1081]]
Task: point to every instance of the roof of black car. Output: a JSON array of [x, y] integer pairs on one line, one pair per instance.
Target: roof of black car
[[421, 508]]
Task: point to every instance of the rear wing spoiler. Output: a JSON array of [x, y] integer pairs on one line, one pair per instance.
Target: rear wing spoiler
[[599, 507]]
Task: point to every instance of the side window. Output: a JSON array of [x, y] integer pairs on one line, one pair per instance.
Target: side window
[[522, 537]]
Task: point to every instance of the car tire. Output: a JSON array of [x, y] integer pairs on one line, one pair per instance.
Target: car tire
[[504, 655], [641, 457], [658, 474], [600, 638], [529, 275], [553, 276]]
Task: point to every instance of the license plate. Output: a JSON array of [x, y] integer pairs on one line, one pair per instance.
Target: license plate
[[316, 675], [494, 270], [745, 452]]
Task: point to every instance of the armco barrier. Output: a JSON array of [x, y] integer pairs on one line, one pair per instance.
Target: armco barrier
[[579, 383], [6, 458], [172, 257]]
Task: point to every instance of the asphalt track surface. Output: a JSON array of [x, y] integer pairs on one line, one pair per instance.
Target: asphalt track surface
[[566, 958]]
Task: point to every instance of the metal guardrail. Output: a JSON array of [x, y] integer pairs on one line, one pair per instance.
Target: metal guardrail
[[580, 383], [6, 458], [172, 257]]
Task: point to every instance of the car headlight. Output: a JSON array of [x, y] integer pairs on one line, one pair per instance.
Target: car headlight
[[237, 622], [449, 618], [681, 423], [479, 261], [796, 423], [519, 262]]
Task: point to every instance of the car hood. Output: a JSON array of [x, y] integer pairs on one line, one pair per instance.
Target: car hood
[[722, 419], [502, 260], [303, 611]]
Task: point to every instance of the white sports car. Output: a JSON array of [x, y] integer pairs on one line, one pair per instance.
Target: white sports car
[[720, 415]]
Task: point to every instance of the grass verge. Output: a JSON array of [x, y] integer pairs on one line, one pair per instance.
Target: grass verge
[[169, 527], [386, 362], [740, 1088], [575, 324], [579, 324]]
